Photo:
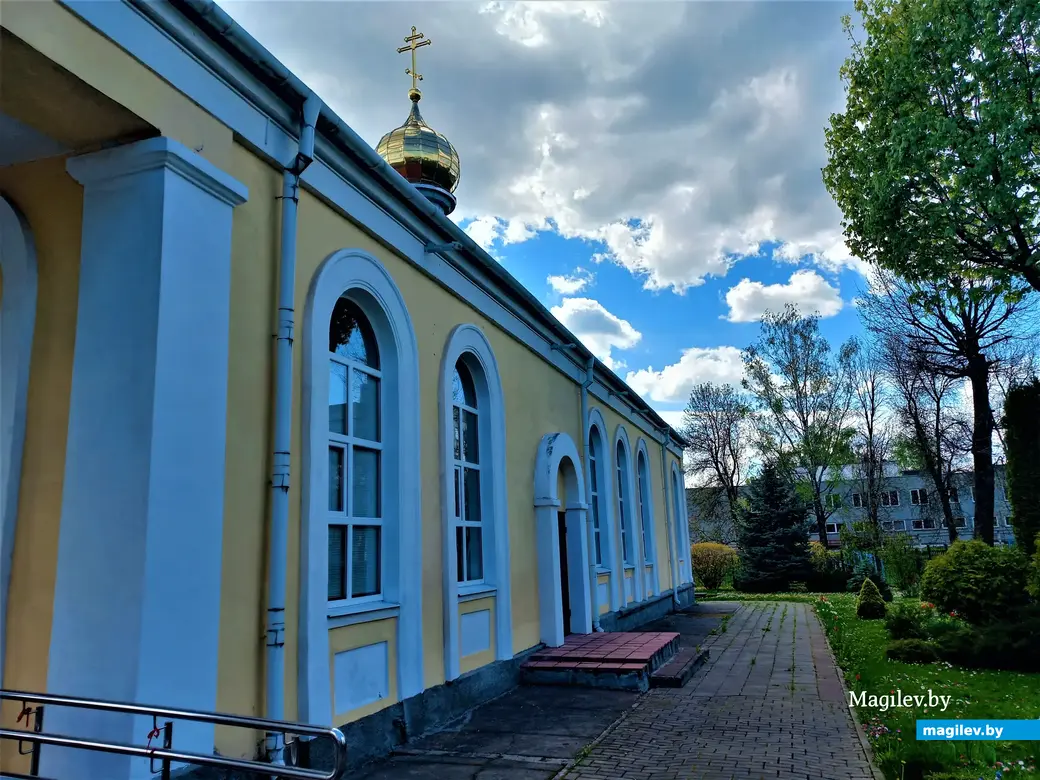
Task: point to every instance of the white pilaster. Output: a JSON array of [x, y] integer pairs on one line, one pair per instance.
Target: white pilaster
[[137, 596]]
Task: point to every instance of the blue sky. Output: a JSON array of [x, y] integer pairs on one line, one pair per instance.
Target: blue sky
[[666, 153]]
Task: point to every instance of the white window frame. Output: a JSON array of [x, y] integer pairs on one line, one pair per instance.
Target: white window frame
[[832, 528], [890, 498], [833, 501], [625, 484], [916, 496], [857, 500], [645, 496], [682, 525], [606, 481], [346, 518], [468, 343], [595, 488], [922, 524], [458, 497], [954, 495], [891, 525], [368, 283]]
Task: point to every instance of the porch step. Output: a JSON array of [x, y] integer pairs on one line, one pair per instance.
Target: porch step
[[676, 672], [618, 660]]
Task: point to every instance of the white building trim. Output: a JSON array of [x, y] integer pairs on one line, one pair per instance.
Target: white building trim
[[647, 501], [372, 288], [17, 318], [682, 525], [607, 510], [553, 451], [628, 498], [468, 342]]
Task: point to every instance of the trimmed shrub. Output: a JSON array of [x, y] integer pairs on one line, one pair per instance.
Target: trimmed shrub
[[1022, 440], [904, 563], [907, 620], [712, 563], [829, 574], [912, 651], [1034, 573], [980, 583], [1008, 644], [870, 605], [864, 570]]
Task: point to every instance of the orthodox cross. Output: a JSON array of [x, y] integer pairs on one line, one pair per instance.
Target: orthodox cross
[[414, 41]]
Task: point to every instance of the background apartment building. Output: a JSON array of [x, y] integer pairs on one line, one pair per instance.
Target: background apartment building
[[909, 504]]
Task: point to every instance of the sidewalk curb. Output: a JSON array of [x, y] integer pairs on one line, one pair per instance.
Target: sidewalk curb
[[864, 743]]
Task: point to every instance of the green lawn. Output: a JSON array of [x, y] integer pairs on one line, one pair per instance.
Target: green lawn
[[859, 646]]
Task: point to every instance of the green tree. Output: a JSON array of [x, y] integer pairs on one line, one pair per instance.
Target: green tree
[[773, 535], [935, 162], [804, 392], [1022, 441]]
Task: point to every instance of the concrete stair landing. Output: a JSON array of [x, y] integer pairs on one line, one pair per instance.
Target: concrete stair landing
[[616, 660]]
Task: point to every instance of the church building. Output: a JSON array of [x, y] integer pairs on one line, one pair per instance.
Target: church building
[[277, 438]]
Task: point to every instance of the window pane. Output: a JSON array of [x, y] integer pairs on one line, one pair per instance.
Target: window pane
[[595, 513], [460, 554], [366, 483], [462, 389], [592, 475], [592, 445], [337, 562], [472, 496], [351, 336], [458, 436], [470, 450], [474, 553], [599, 552], [364, 561], [364, 406], [458, 493], [337, 397], [336, 478]]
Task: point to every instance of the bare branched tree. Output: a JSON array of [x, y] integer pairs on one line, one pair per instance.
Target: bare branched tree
[[939, 432], [872, 443], [957, 328], [804, 395], [715, 427]]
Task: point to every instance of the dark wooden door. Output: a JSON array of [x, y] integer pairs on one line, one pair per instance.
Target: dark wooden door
[[564, 579]]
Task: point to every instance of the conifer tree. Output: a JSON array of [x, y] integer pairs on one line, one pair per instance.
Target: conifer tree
[[774, 536]]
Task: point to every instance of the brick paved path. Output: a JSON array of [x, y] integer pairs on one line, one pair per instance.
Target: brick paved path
[[768, 704]]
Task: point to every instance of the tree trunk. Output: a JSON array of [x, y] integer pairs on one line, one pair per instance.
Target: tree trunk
[[944, 500], [982, 449], [821, 520]]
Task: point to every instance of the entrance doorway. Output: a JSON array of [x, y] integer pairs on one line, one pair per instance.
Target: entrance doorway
[[561, 520]]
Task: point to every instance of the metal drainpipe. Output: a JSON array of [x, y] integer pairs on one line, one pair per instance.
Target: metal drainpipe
[[673, 536], [279, 544], [593, 574]]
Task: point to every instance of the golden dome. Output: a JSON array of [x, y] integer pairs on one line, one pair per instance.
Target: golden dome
[[419, 153]]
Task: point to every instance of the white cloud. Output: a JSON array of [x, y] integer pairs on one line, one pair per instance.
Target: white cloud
[[807, 290], [570, 284], [672, 384], [675, 138], [598, 329]]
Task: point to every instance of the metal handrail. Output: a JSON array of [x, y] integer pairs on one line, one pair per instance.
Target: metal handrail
[[165, 753]]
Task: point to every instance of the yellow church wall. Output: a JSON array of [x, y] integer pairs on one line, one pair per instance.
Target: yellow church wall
[[57, 33], [255, 231], [476, 660], [363, 635], [52, 204], [603, 579]]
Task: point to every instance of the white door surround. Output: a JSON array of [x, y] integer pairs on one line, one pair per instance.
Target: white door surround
[[558, 456]]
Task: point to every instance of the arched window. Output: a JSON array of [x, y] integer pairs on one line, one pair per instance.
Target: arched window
[[594, 490], [469, 543], [643, 487], [622, 499], [355, 501]]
